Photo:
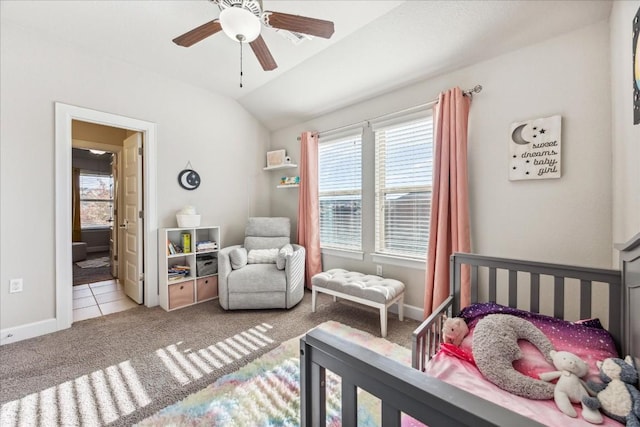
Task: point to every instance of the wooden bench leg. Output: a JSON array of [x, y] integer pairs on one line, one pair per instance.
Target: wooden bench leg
[[313, 300], [401, 308], [383, 321]]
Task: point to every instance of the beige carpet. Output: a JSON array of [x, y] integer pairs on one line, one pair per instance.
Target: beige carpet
[[119, 369]]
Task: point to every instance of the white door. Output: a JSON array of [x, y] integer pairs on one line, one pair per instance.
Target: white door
[[130, 222]]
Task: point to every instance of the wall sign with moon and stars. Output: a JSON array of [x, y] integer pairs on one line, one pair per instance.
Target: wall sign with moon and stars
[[188, 178], [534, 149]]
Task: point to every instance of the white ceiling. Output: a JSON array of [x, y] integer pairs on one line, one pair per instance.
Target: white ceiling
[[377, 45]]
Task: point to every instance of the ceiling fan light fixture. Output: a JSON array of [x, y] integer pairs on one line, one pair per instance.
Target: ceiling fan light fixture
[[240, 24]]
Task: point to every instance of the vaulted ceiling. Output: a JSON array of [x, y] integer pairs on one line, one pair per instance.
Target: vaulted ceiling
[[377, 45]]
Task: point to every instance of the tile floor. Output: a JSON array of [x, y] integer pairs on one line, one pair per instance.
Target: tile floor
[[98, 299]]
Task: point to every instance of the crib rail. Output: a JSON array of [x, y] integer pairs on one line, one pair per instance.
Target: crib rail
[[400, 390], [426, 338]]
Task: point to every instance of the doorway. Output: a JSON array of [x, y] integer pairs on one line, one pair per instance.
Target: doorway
[[97, 283], [94, 213], [65, 115]]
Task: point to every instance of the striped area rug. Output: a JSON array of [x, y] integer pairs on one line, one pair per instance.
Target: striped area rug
[[266, 392]]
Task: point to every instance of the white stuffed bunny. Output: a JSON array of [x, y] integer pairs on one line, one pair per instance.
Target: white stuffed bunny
[[570, 387]]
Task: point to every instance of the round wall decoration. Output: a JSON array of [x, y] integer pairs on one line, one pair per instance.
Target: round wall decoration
[[189, 179]]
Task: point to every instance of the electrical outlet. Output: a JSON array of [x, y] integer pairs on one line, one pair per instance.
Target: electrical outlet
[[15, 285], [379, 270]]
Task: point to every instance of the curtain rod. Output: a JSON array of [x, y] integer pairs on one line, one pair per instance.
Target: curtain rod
[[468, 92]]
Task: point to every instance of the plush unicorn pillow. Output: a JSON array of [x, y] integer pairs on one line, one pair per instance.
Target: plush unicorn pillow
[[495, 348]]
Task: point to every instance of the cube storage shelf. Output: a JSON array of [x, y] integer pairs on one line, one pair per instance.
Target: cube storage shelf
[[187, 276]]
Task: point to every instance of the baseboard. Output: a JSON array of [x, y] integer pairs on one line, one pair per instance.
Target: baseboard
[[410, 311], [30, 330]]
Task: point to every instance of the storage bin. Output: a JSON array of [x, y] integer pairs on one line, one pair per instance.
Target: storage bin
[[188, 220], [207, 288], [181, 294], [206, 265]]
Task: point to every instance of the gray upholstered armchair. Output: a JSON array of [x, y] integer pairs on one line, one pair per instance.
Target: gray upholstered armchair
[[267, 272]]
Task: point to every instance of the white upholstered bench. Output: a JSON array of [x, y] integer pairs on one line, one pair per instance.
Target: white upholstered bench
[[373, 291]]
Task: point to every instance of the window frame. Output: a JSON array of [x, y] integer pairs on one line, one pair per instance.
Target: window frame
[[110, 201], [382, 251], [349, 251]]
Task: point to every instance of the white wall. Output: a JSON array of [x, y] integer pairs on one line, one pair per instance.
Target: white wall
[[566, 220], [222, 141], [625, 136]]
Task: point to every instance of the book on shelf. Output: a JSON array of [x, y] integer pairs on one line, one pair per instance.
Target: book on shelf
[[171, 248], [186, 242], [206, 245], [176, 272], [180, 268]]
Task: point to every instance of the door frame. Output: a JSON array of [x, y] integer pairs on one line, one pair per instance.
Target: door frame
[[64, 114]]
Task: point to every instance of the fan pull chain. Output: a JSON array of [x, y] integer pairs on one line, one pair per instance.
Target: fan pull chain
[[240, 63]]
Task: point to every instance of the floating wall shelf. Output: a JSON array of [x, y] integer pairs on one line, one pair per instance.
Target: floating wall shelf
[[285, 166]]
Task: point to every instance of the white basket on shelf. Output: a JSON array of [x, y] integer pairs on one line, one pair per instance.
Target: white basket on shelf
[[188, 220]]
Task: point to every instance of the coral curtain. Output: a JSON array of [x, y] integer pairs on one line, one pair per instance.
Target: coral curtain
[[75, 197], [449, 221], [309, 205]]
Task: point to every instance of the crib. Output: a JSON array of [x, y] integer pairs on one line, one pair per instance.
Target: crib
[[406, 390], [426, 338]]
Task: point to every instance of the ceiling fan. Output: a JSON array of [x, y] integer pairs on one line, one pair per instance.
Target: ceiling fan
[[242, 21]]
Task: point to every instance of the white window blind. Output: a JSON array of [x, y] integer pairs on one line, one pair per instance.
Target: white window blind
[[96, 200], [404, 163], [340, 192]]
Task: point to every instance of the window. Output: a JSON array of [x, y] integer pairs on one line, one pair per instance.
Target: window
[[340, 191], [96, 200], [404, 162]]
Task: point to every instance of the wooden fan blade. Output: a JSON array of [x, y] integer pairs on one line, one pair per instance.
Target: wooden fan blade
[[198, 34], [300, 24], [261, 51]]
